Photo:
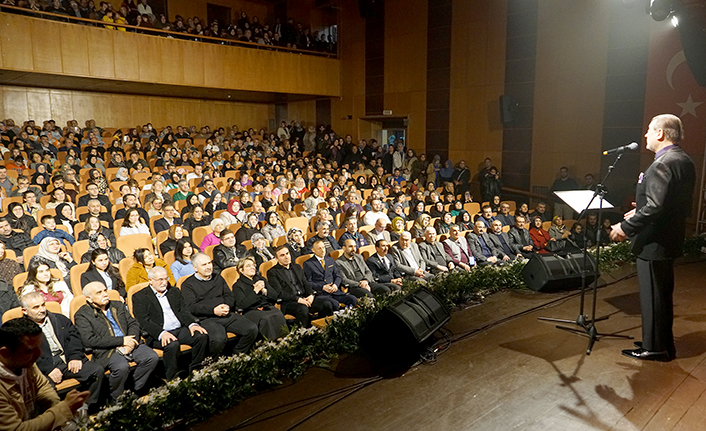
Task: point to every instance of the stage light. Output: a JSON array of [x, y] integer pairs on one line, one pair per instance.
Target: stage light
[[675, 21], [660, 9]]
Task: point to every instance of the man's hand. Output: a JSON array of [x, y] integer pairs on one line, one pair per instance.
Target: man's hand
[[418, 272], [197, 328], [465, 266], [76, 399], [56, 375], [506, 258], [221, 310], [330, 288], [492, 259], [628, 215], [75, 365], [303, 301], [527, 248], [397, 281], [364, 285], [130, 341], [442, 268], [167, 338], [616, 233]]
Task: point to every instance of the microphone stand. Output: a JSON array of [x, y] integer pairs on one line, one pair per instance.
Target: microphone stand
[[586, 325]]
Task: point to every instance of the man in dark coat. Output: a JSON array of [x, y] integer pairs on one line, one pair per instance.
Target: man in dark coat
[[656, 229]]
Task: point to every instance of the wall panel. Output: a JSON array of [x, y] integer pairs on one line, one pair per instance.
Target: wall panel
[[74, 50], [101, 58], [46, 44], [127, 64], [16, 45], [304, 112]]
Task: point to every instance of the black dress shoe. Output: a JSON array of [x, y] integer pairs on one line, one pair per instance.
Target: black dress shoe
[[637, 344], [647, 355]]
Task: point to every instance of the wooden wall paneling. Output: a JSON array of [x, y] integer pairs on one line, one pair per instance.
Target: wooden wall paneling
[[193, 63], [38, 105], [82, 104], [141, 113], [121, 111], [213, 56], [173, 57], [17, 43], [74, 50], [159, 114], [305, 112], [192, 113], [175, 108], [61, 105], [46, 45], [101, 56], [15, 104], [129, 60], [150, 67], [3, 116]]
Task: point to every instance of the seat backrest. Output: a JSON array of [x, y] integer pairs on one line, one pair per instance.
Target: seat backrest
[[200, 233], [298, 222], [303, 258], [180, 281], [230, 275], [265, 266], [15, 313], [129, 243], [79, 249], [75, 274], [125, 265], [169, 258], [366, 251], [335, 254], [133, 290]]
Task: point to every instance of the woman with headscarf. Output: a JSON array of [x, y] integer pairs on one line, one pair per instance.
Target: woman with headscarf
[[417, 211], [260, 251], [215, 203], [19, 219], [437, 210], [285, 211], [254, 296], [65, 216], [40, 279], [311, 204], [121, 175], [246, 231], [295, 242], [41, 171], [273, 228], [442, 225], [50, 250], [98, 240], [464, 221], [233, 213], [397, 226], [397, 210], [214, 237], [420, 225], [446, 173]]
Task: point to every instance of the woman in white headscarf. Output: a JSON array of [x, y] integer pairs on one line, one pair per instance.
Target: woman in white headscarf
[[50, 251]]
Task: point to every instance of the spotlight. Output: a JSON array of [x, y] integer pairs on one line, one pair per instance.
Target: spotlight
[[660, 9], [675, 21]]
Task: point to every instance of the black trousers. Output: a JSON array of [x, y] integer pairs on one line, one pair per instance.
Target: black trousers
[[270, 322], [375, 289], [199, 349], [218, 327], [656, 280], [90, 376], [119, 367], [320, 307]]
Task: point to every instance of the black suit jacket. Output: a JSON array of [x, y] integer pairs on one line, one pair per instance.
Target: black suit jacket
[[477, 250], [380, 273], [104, 200], [318, 276], [161, 224], [93, 275], [101, 216], [97, 333], [68, 338], [149, 313], [288, 292], [519, 238], [663, 200]]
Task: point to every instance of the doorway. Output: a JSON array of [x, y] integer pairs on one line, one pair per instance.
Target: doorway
[[218, 13]]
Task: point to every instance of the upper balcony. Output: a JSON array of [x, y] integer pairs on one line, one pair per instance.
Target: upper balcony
[[71, 55]]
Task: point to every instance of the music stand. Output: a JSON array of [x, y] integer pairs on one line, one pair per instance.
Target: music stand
[[582, 201]]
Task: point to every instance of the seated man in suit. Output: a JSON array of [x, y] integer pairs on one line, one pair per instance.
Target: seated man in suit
[[520, 239], [432, 251], [356, 275], [212, 302], [162, 313], [378, 232], [322, 273], [486, 216], [409, 260], [294, 291], [92, 189], [225, 253], [15, 241], [482, 247], [169, 218], [323, 229], [131, 201], [457, 248], [504, 215], [383, 266], [108, 328], [62, 350], [351, 225], [50, 230], [94, 209], [502, 240]]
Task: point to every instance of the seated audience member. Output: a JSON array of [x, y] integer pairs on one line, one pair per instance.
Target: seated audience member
[[483, 248], [214, 237], [420, 224], [62, 350], [594, 234], [295, 243], [19, 219], [383, 265], [486, 216], [409, 259], [274, 227], [94, 210], [463, 220], [39, 407], [94, 225], [183, 191], [576, 237], [225, 254], [378, 232], [164, 316], [433, 254], [256, 298], [322, 273], [557, 230], [456, 246], [396, 228], [65, 216], [101, 270], [58, 196], [176, 232], [39, 279], [169, 218], [130, 201], [93, 193], [322, 234], [182, 264], [260, 251], [294, 290], [356, 276], [50, 253], [99, 241], [114, 335], [442, 225], [191, 201], [234, 213], [351, 232], [376, 212], [323, 214], [15, 241], [540, 237], [520, 239], [437, 210], [144, 261], [246, 231], [504, 215], [132, 224], [501, 240], [50, 231], [30, 204], [9, 268], [212, 302], [541, 212], [23, 187]]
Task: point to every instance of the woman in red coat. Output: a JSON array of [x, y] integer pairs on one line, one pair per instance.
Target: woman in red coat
[[539, 236]]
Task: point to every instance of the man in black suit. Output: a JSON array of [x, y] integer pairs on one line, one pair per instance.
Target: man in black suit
[[520, 239], [62, 350], [383, 265], [295, 293], [501, 240], [131, 201], [483, 248], [94, 209], [92, 190], [162, 313], [356, 275], [432, 251], [656, 229], [322, 273], [169, 218]]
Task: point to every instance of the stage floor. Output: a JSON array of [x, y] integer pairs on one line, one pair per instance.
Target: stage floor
[[515, 373]]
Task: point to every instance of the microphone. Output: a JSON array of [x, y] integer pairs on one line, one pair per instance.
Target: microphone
[[632, 146]]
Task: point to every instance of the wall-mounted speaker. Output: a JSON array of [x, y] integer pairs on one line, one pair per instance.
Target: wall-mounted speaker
[[507, 109]]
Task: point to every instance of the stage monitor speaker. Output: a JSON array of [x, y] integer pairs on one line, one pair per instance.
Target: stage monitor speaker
[[551, 273], [399, 329], [507, 109]]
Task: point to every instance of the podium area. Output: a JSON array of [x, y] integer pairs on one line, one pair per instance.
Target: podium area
[[507, 370]]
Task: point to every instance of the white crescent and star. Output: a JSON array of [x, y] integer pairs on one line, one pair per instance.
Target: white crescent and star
[[688, 107]]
